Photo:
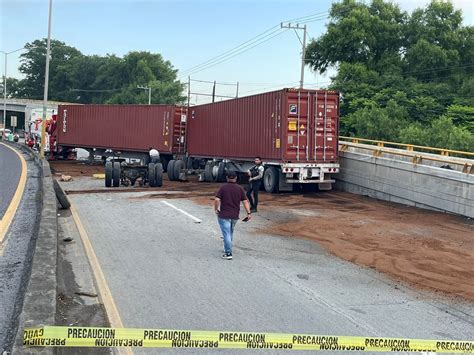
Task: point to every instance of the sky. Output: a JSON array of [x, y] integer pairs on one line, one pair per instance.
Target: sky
[[187, 33]]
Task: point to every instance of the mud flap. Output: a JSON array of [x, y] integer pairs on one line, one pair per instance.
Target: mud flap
[[325, 186], [283, 186]]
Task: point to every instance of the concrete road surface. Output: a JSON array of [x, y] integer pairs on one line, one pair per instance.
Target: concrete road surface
[[10, 171], [165, 271]]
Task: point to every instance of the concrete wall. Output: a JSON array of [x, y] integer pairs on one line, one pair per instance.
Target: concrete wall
[[396, 179]]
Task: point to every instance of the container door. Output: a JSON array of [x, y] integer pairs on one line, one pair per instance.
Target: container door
[[325, 120], [298, 126]]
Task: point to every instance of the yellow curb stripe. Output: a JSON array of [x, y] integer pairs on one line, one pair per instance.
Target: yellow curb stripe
[[14, 203], [102, 286]]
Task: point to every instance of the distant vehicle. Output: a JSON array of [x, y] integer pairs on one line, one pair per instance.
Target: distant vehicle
[[6, 130]]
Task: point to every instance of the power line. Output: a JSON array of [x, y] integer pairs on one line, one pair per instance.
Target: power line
[[255, 38], [267, 35], [247, 48], [104, 90]]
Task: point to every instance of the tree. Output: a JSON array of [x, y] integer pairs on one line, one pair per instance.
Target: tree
[[419, 63], [33, 63], [75, 77]]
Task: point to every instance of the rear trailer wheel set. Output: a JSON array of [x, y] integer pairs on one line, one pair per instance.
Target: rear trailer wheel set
[[117, 174]]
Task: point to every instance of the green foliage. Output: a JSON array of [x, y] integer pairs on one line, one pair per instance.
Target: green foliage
[[441, 133], [401, 76], [462, 116], [75, 77]]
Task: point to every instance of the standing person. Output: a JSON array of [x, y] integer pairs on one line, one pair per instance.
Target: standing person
[[255, 181], [154, 155], [227, 208]]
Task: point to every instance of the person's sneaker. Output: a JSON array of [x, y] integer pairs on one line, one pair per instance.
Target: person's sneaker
[[227, 256]]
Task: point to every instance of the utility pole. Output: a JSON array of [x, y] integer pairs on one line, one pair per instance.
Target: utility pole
[[46, 82], [214, 91], [298, 27], [149, 92], [189, 90]]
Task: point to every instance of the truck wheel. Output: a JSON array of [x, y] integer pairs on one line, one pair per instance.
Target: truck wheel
[[116, 174], [221, 172], [170, 170], [151, 174], [208, 172], [108, 174], [61, 196], [178, 168], [270, 179], [158, 175]]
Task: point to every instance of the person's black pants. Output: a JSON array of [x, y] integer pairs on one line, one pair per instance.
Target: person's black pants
[[254, 187]]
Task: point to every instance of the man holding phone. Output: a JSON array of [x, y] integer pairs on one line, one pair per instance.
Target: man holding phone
[[227, 207]]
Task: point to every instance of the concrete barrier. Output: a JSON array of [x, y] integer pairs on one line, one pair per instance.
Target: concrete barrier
[[395, 178], [39, 305]]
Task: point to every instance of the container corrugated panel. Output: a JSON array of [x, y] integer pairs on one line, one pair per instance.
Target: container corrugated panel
[[118, 127], [288, 125]]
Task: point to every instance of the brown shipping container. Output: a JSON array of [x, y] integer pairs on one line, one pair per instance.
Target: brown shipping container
[[122, 127], [288, 125]]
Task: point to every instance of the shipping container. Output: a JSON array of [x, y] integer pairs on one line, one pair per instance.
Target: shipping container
[[293, 130], [128, 129]]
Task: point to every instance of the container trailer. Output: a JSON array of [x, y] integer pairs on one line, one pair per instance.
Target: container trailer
[[294, 131], [124, 131]]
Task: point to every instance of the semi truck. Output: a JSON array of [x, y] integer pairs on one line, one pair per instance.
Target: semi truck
[[294, 131]]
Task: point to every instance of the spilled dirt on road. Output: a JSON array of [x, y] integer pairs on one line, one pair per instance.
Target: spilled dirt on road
[[426, 249], [429, 250], [75, 168]]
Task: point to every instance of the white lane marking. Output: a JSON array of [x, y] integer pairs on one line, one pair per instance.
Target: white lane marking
[[196, 220]]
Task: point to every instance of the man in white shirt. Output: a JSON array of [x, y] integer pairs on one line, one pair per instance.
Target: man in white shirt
[[154, 155]]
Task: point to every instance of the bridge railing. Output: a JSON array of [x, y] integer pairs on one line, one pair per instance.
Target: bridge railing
[[417, 153]]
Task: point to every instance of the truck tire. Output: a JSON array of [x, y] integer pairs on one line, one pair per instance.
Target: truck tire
[[221, 172], [158, 175], [178, 168], [151, 174], [208, 172], [61, 196], [108, 174], [116, 174], [170, 170], [270, 179]]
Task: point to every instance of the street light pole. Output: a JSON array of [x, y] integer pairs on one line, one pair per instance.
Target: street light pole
[[46, 82], [4, 98], [149, 92], [4, 119]]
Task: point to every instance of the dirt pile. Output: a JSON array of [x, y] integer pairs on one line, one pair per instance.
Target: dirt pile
[[427, 249]]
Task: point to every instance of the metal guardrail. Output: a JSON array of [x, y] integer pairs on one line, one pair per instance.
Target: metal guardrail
[[410, 150]]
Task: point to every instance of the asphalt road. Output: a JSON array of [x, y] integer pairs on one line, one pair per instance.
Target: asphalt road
[[10, 171], [17, 251], [165, 271]]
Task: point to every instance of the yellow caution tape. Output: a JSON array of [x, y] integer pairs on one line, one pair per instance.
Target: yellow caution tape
[[168, 338]]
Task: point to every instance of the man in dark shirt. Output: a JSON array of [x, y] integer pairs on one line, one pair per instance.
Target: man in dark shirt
[[227, 208], [255, 180]]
